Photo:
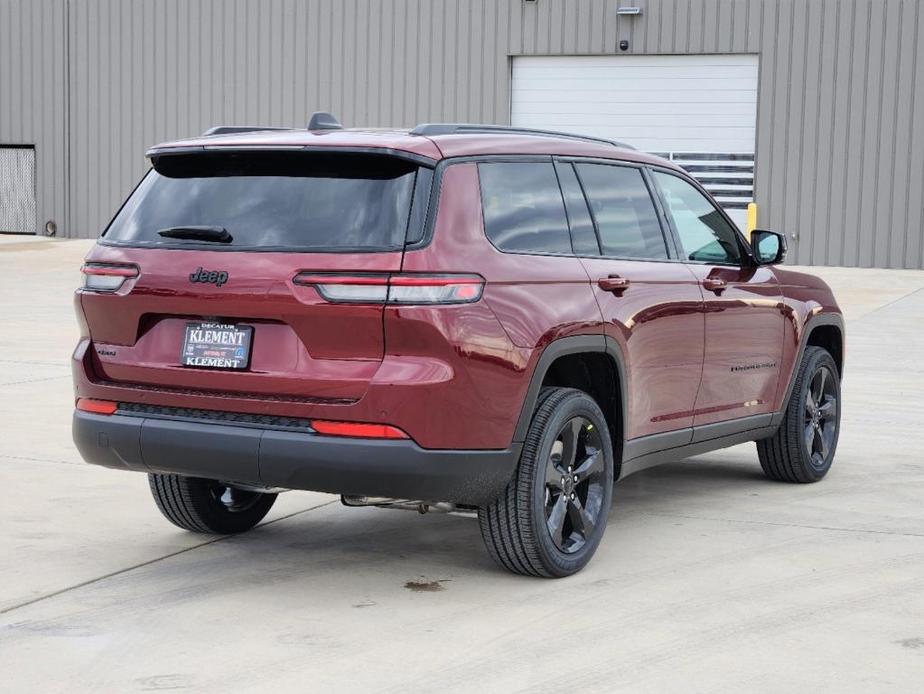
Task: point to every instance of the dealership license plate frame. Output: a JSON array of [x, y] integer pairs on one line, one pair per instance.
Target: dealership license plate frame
[[236, 353]]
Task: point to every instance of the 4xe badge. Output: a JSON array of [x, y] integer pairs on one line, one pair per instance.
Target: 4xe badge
[[216, 277]]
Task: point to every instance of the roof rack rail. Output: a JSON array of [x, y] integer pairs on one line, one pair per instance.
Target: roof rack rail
[[427, 129], [320, 120], [228, 129]]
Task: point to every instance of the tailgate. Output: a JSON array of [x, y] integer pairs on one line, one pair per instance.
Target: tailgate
[[302, 346]]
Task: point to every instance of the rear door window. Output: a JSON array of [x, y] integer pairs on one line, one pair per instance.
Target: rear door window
[[623, 211], [265, 201], [523, 208], [583, 235]]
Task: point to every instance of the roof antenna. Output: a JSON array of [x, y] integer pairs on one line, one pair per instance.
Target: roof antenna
[[322, 120]]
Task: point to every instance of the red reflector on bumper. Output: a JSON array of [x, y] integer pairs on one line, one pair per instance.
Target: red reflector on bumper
[[357, 430], [97, 406]]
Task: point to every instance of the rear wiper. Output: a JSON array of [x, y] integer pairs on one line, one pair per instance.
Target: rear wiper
[[197, 233]]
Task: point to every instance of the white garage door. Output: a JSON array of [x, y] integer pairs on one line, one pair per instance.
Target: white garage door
[[699, 110]]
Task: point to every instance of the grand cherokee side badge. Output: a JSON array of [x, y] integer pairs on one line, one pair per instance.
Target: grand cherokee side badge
[[752, 367], [216, 277]]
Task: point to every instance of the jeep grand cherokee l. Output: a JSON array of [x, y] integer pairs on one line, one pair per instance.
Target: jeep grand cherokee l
[[455, 317]]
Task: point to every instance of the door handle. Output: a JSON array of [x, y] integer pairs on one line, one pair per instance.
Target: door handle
[[613, 283], [714, 284]]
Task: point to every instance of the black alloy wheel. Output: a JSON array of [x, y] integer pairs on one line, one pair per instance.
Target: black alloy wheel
[[802, 449], [574, 485], [820, 416], [551, 518]]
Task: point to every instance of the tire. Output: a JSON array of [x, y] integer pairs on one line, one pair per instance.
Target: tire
[[207, 506], [802, 449], [567, 426]]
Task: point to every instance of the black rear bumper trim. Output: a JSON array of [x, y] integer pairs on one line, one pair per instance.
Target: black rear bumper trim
[[188, 414], [293, 459]]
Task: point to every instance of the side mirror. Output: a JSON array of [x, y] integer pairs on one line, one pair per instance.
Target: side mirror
[[769, 248]]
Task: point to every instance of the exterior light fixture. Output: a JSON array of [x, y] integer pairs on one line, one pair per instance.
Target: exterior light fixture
[[627, 12]]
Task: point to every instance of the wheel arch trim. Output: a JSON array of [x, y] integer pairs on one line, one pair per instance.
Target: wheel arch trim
[[816, 321], [564, 346]]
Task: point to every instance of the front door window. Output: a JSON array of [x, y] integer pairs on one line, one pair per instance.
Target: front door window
[[705, 235]]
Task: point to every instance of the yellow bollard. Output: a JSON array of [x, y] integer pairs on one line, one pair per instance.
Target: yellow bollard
[[752, 218]]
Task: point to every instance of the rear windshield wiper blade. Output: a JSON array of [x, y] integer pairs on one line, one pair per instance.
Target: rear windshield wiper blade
[[197, 233]]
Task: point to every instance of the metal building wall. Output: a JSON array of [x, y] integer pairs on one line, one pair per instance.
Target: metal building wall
[[839, 161], [143, 71], [33, 104]]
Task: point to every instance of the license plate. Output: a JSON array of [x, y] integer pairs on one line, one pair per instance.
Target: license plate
[[217, 345]]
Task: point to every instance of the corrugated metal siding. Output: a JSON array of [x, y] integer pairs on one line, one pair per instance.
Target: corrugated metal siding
[[33, 101], [145, 71], [839, 161]]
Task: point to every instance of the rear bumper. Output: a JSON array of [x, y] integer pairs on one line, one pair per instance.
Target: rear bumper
[[293, 460]]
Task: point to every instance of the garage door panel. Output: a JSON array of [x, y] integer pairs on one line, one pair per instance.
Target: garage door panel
[[659, 72], [643, 122], [640, 107], [554, 84], [522, 96], [712, 60]]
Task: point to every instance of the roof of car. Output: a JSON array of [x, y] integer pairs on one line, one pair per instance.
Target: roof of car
[[432, 147]]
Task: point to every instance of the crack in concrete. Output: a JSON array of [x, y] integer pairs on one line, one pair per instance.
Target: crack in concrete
[[29, 459], [35, 380], [119, 572], [894, 301], [58, 364], [782, 525]]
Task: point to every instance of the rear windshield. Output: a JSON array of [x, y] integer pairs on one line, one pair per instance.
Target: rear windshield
[[266, 201]]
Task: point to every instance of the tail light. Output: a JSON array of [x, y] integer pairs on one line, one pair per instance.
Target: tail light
[[357, 430], [97, 406], [356, 289], [435, 289], [394, 289], [107, 277]]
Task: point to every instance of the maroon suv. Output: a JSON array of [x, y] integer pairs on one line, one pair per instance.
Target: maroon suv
[[459, 317]]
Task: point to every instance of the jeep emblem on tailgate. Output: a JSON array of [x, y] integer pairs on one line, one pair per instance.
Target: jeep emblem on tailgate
[[216, 277]]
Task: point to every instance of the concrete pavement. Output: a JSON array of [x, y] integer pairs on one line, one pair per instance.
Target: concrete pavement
[[710, 578]]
